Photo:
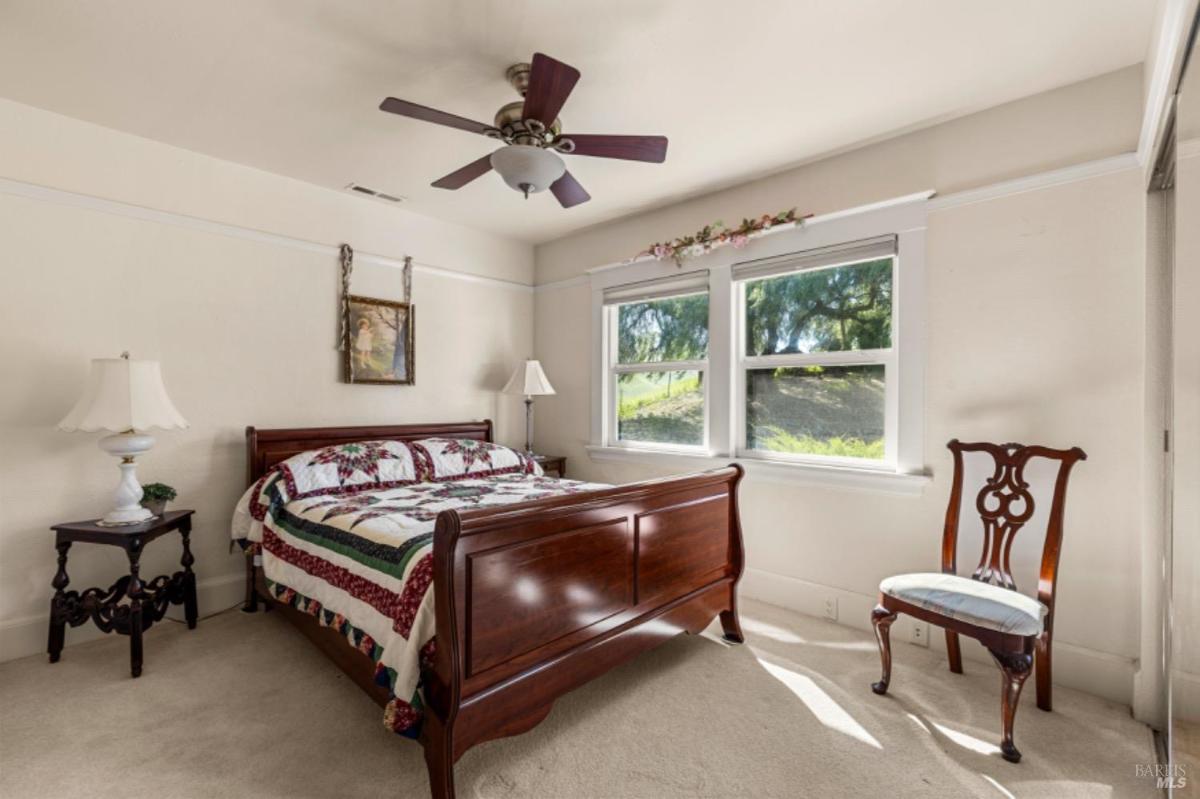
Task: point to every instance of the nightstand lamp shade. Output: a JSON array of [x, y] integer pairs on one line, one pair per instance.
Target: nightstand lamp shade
[[124, 396], [529, 379]]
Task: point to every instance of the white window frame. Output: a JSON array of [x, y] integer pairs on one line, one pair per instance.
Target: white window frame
[[615, 369], [888, 358], [902, 469]]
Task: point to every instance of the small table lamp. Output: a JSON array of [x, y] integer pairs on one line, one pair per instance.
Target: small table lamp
[[530, 380], [124, 396]]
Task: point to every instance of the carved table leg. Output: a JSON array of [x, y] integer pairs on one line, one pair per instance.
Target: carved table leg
[[134, 550], [1014, 669], [190, 611], [881, 620], [58, 621]]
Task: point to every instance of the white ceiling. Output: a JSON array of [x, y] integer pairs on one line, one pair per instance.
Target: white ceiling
[[741, 89]]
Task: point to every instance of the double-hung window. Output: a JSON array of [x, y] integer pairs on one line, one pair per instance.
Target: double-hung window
[[816, 364], [658, 370], [799, 354]]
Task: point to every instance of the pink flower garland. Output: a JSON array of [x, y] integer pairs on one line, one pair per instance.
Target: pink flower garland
[[716, 235]]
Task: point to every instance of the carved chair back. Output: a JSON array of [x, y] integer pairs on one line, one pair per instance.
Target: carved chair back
[[1022, 484]]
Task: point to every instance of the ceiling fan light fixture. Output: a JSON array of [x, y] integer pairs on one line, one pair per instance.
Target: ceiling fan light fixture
[[527, 168]]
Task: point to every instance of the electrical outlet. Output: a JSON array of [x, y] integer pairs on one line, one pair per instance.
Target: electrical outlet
[[920, 633], [831, 608]]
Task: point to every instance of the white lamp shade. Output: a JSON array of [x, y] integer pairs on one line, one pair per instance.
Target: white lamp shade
[[123, 395], [524, 166], [530, 380]]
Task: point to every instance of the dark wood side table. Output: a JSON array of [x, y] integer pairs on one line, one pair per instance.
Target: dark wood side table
[[145, 602], [552, 463]]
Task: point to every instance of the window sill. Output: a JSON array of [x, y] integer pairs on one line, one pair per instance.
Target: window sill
[[803, 474]]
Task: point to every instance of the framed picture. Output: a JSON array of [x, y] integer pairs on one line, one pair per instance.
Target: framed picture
[[379, 342]]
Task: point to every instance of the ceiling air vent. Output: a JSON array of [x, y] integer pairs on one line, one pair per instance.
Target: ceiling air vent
[[369, 192]]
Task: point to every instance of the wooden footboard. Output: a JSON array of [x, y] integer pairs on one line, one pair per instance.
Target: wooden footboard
[[537, 599], [534, 600]]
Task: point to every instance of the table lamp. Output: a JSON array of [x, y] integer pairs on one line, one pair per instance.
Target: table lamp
[[124, 396], [530, 380]]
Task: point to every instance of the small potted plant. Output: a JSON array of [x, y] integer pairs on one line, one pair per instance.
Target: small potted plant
[[155, 497]]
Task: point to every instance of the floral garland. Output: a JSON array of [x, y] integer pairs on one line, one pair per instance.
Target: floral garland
[[717, 234]]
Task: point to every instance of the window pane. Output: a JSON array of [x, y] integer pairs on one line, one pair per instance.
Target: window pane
[[816, 410], [674, 329], [822, 310], [661, 407]]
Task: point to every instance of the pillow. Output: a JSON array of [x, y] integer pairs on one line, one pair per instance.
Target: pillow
[[379, 465], [347, 468], [442, 459]]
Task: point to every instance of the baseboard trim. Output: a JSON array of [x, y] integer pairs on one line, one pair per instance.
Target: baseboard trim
[[27, 636], [1101, 673]]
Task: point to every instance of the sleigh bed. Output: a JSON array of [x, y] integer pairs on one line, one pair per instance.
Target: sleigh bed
[[528, 600]]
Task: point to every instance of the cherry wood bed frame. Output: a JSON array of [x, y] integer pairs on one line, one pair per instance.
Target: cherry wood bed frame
[[604, 576]]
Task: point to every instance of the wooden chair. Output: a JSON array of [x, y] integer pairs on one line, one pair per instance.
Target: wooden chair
[[986, 606]]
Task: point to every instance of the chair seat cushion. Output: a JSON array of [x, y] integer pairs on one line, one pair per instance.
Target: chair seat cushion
[[961, 598]]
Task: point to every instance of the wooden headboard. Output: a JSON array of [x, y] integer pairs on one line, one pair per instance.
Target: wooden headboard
[[265, 448]]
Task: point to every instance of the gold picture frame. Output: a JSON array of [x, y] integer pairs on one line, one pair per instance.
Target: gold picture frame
[[379, 341]]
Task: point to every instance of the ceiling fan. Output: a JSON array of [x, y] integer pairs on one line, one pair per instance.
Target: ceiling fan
[[533, 135]]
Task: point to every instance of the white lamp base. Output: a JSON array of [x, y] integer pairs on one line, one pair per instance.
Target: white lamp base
[[126, 509]]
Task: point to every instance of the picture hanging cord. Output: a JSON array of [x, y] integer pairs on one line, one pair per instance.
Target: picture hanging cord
[[346, 257]]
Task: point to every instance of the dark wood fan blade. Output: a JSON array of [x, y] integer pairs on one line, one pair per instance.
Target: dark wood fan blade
[[568, 191], [461, 177], [629, 148], [406, 109], [550, 84]]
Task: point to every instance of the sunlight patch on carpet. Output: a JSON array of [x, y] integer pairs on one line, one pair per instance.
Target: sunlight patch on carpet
[[967, 741], [1003, 791], [961, 738], [822, 705], [752, 625]]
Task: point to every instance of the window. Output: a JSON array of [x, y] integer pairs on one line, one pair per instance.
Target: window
[[800, 350], [816, 354], [659, 363]]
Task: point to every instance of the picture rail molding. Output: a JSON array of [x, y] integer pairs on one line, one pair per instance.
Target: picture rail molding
[[72, 199]]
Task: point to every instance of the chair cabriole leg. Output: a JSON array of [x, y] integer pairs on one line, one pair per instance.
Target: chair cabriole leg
[[881, 620], [1014, 670]]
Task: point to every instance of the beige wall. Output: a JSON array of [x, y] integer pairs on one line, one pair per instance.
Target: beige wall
[[244, 327], [1084, 121], [1186, 401], [1034, 332]]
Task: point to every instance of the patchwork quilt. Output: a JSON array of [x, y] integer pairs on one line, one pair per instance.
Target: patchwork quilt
[[345, 534]]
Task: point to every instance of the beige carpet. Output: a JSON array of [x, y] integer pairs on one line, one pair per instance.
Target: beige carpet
[[245, 707]]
